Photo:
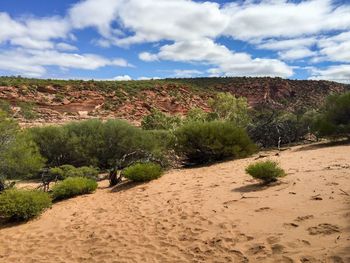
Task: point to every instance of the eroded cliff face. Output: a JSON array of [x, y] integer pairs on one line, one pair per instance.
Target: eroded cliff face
[[68, 101]]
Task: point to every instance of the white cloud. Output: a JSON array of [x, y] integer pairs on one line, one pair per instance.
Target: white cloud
[[65, 47], [122, 78], [99, 14], [298, 53], [225, 62], [295, 30], [287, 43], [253, 21], [186, 73], [148, 78], [33, 62], [336, 48], [33, 33], [339, 73]]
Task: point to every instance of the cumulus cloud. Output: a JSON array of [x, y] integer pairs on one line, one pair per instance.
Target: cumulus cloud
[[33, 32], [33, 62], [225, 62], [186, 73], [253, 21], [336, 48], [122, 78], [294, 54], [315, 30], [339, 73]]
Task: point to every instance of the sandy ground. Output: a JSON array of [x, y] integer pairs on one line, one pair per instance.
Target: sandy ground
[[207, 214]]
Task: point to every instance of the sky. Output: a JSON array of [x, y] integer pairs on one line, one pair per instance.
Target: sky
[[144, 39]]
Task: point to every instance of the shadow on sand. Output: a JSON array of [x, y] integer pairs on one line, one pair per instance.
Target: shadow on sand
[[124, 186], [8, 224], [323, 145], [255, 187]]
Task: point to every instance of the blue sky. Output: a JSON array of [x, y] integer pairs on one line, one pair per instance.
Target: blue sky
[[133, 39]]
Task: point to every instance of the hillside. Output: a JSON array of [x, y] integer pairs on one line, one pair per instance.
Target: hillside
[[57, 101], [206, 214]]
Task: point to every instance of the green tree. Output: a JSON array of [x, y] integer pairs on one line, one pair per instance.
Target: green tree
[[333, 119], [227, 107], [202, 142], [158, 120], [19, 155]]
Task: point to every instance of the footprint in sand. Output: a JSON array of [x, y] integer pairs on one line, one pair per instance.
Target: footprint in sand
[[290, 225], [277, 249], [303, 218], [262, 209], [308, 259], [257, 249], [323, 229]]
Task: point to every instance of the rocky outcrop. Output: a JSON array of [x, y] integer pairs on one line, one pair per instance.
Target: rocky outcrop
[[77, 100]]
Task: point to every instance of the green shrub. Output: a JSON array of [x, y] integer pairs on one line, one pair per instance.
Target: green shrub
[[227, 107], [65, 171], [202, 142], [84, 171], [5, 106], [270, 127], [94, 143], [57, 172], [73, 186], [143, 172], [19, 155], [27, 110], [267, 171], [18, 204], [158, 120], [334, 117]]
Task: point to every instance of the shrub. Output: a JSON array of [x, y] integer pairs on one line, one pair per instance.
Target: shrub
[[5, 106], [73, 186], [227, 107], [65, 171], [84, 171], [202, 142], [334, 117], [19, 155], [267, 171], [158, 120], [94, 143], [27, 110], [18, 204], [143, 172], [271, 128]]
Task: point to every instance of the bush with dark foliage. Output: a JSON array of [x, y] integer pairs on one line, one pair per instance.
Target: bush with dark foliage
[[202, 142]]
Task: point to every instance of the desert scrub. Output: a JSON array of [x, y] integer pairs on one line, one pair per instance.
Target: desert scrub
[[143, 172], [266, 171], [64, 171], [202, 142], [73, 186], [21, 205]]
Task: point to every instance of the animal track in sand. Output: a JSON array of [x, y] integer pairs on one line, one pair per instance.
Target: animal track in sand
[[323, 229], [290, 225], [303, 218], [263, 209]]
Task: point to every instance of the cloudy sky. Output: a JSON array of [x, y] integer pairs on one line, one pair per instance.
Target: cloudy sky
[[139, 39]]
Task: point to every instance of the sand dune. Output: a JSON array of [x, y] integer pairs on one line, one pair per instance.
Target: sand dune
[[207, 214]]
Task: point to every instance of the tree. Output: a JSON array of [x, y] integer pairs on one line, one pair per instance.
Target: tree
[[19, 155], [158, 120], [227, 107], [333, 119], [202, 142]]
